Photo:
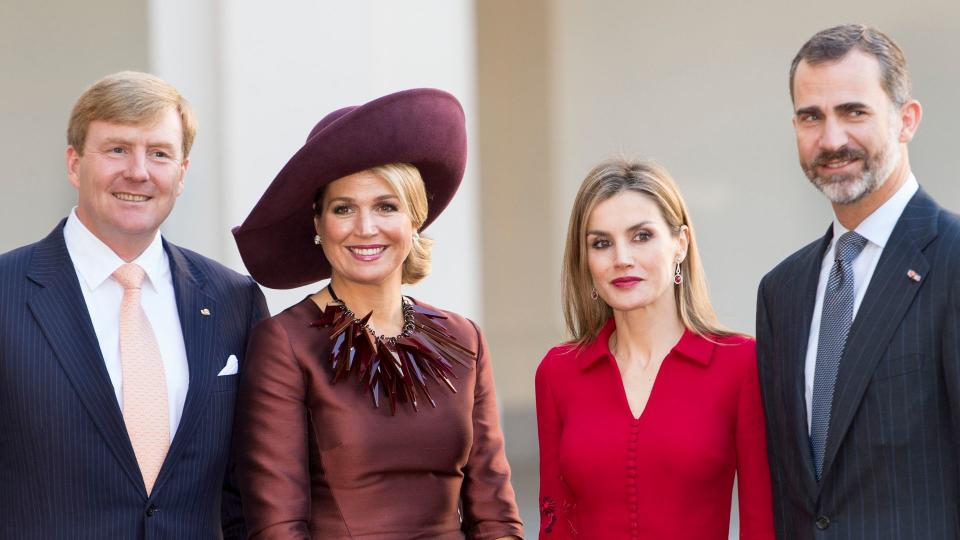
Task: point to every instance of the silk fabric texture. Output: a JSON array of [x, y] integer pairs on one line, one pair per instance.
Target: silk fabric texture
[[316, 459], [144, 386]]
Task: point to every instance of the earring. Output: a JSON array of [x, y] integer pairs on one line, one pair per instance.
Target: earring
[[415, 236], [317, 240], [677, 276], [593, 294]]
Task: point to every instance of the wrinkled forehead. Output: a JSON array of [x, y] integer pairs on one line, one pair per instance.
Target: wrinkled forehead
[[162, 129], [855, 77]]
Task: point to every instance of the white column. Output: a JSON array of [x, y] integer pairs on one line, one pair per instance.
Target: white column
[[185, 51], [262, 74]]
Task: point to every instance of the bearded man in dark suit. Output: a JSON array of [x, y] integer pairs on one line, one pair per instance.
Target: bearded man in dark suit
[[858, 333]]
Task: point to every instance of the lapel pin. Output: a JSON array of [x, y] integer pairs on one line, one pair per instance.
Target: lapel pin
[[206, 312], [913, 276]]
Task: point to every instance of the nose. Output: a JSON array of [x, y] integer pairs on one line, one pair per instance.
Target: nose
[[833, 136], [624, 256], [366, 223], [137, 167]]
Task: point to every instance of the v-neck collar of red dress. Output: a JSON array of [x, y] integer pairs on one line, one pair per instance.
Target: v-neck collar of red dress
[[691, 346]]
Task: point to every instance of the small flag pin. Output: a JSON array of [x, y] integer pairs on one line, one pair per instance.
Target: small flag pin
[[913, 275], [206, 312]]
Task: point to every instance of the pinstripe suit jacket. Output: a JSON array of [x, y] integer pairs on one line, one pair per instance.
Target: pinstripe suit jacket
[[893, 446], [67, 468]]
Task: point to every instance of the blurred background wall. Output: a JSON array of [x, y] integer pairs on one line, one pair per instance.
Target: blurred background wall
[[550, 87]]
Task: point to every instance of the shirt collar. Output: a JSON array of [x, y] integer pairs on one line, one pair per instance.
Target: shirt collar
[[878, 226], [96, 262], [691, 346]]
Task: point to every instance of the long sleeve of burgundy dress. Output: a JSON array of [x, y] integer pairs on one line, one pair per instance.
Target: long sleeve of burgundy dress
[[670, 472], [318, 460]]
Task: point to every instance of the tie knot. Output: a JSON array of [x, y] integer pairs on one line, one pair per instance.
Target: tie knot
[[129, 275], [849, 246]]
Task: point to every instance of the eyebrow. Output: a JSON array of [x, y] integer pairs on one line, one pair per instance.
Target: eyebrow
[[127, 142], [631, 229], [381, 198], [841, 108], [851, 106], [808, 110], [161, 144]]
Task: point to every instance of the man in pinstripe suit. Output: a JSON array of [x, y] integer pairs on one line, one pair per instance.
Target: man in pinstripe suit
[[858, 333], [90, 448]]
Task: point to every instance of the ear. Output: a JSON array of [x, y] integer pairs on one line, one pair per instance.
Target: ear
[[683, 242], [73, 166], [910, 115], [183, 172], [316, 223]]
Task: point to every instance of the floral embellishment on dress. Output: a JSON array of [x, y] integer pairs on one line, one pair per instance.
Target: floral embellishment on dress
[[548, 514]]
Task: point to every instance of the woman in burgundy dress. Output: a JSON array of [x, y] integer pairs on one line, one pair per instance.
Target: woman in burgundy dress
[[363, 413], [652, 408]]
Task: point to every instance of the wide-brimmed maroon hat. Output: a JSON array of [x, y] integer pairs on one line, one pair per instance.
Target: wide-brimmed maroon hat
[[423, 127]]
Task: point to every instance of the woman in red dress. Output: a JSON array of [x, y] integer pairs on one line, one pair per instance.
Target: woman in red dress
[[652, 408]]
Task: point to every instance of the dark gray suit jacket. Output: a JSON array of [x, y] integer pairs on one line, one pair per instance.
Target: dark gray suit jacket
[[893, 447], [67, 468]]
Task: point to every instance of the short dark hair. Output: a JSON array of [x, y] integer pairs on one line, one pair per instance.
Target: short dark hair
[[834, 43]]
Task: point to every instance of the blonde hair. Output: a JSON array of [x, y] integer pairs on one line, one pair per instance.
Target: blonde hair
[[406, 181], [129, 97], [584, 316]]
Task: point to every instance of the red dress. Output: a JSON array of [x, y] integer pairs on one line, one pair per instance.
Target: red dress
[[668, 474]]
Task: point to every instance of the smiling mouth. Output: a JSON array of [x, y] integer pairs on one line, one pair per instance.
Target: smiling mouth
[[130, 197], [366, 252], [837, 164]]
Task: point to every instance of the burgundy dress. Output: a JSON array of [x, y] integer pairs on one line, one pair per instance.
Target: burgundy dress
[[318, 460], [668, 474]]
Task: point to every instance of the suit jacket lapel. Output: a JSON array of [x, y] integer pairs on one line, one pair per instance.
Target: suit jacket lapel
[[197, 311], [808, 279], [61, 312], [887, 299]]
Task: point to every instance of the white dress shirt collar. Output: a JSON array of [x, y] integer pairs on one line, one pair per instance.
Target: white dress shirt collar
[[96, 262], [878, 226]]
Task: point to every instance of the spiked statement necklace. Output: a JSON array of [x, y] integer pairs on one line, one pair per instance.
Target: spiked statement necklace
[[398, 368]]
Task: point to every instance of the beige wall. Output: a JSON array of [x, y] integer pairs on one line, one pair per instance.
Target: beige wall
[[703, 90], [700, 87], [49, 53], [559, 85]]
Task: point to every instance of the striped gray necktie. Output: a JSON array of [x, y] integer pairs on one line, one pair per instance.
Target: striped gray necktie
[[834, 327]]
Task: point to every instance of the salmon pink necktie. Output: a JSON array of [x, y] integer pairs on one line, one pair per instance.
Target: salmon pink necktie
[[144, 385]]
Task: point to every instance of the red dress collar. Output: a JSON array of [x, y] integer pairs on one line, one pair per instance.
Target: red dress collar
[[691, 346]]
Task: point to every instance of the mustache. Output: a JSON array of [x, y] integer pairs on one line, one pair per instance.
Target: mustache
[[841, 154]]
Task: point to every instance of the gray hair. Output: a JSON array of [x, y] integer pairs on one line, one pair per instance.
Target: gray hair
[[834, 43]]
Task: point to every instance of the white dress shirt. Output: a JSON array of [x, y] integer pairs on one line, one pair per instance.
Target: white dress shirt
[[876, 228], [94, 263]]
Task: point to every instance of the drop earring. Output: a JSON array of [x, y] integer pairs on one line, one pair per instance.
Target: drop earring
[[317, 240], [677, 276], [593, 295]]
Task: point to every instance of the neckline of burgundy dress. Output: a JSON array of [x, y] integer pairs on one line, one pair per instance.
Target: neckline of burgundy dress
[[398, 369]]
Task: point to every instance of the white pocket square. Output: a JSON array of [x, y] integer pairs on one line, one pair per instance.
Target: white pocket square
[[230, 368]]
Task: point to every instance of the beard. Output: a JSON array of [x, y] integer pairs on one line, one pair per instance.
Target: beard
[[849, 188]]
